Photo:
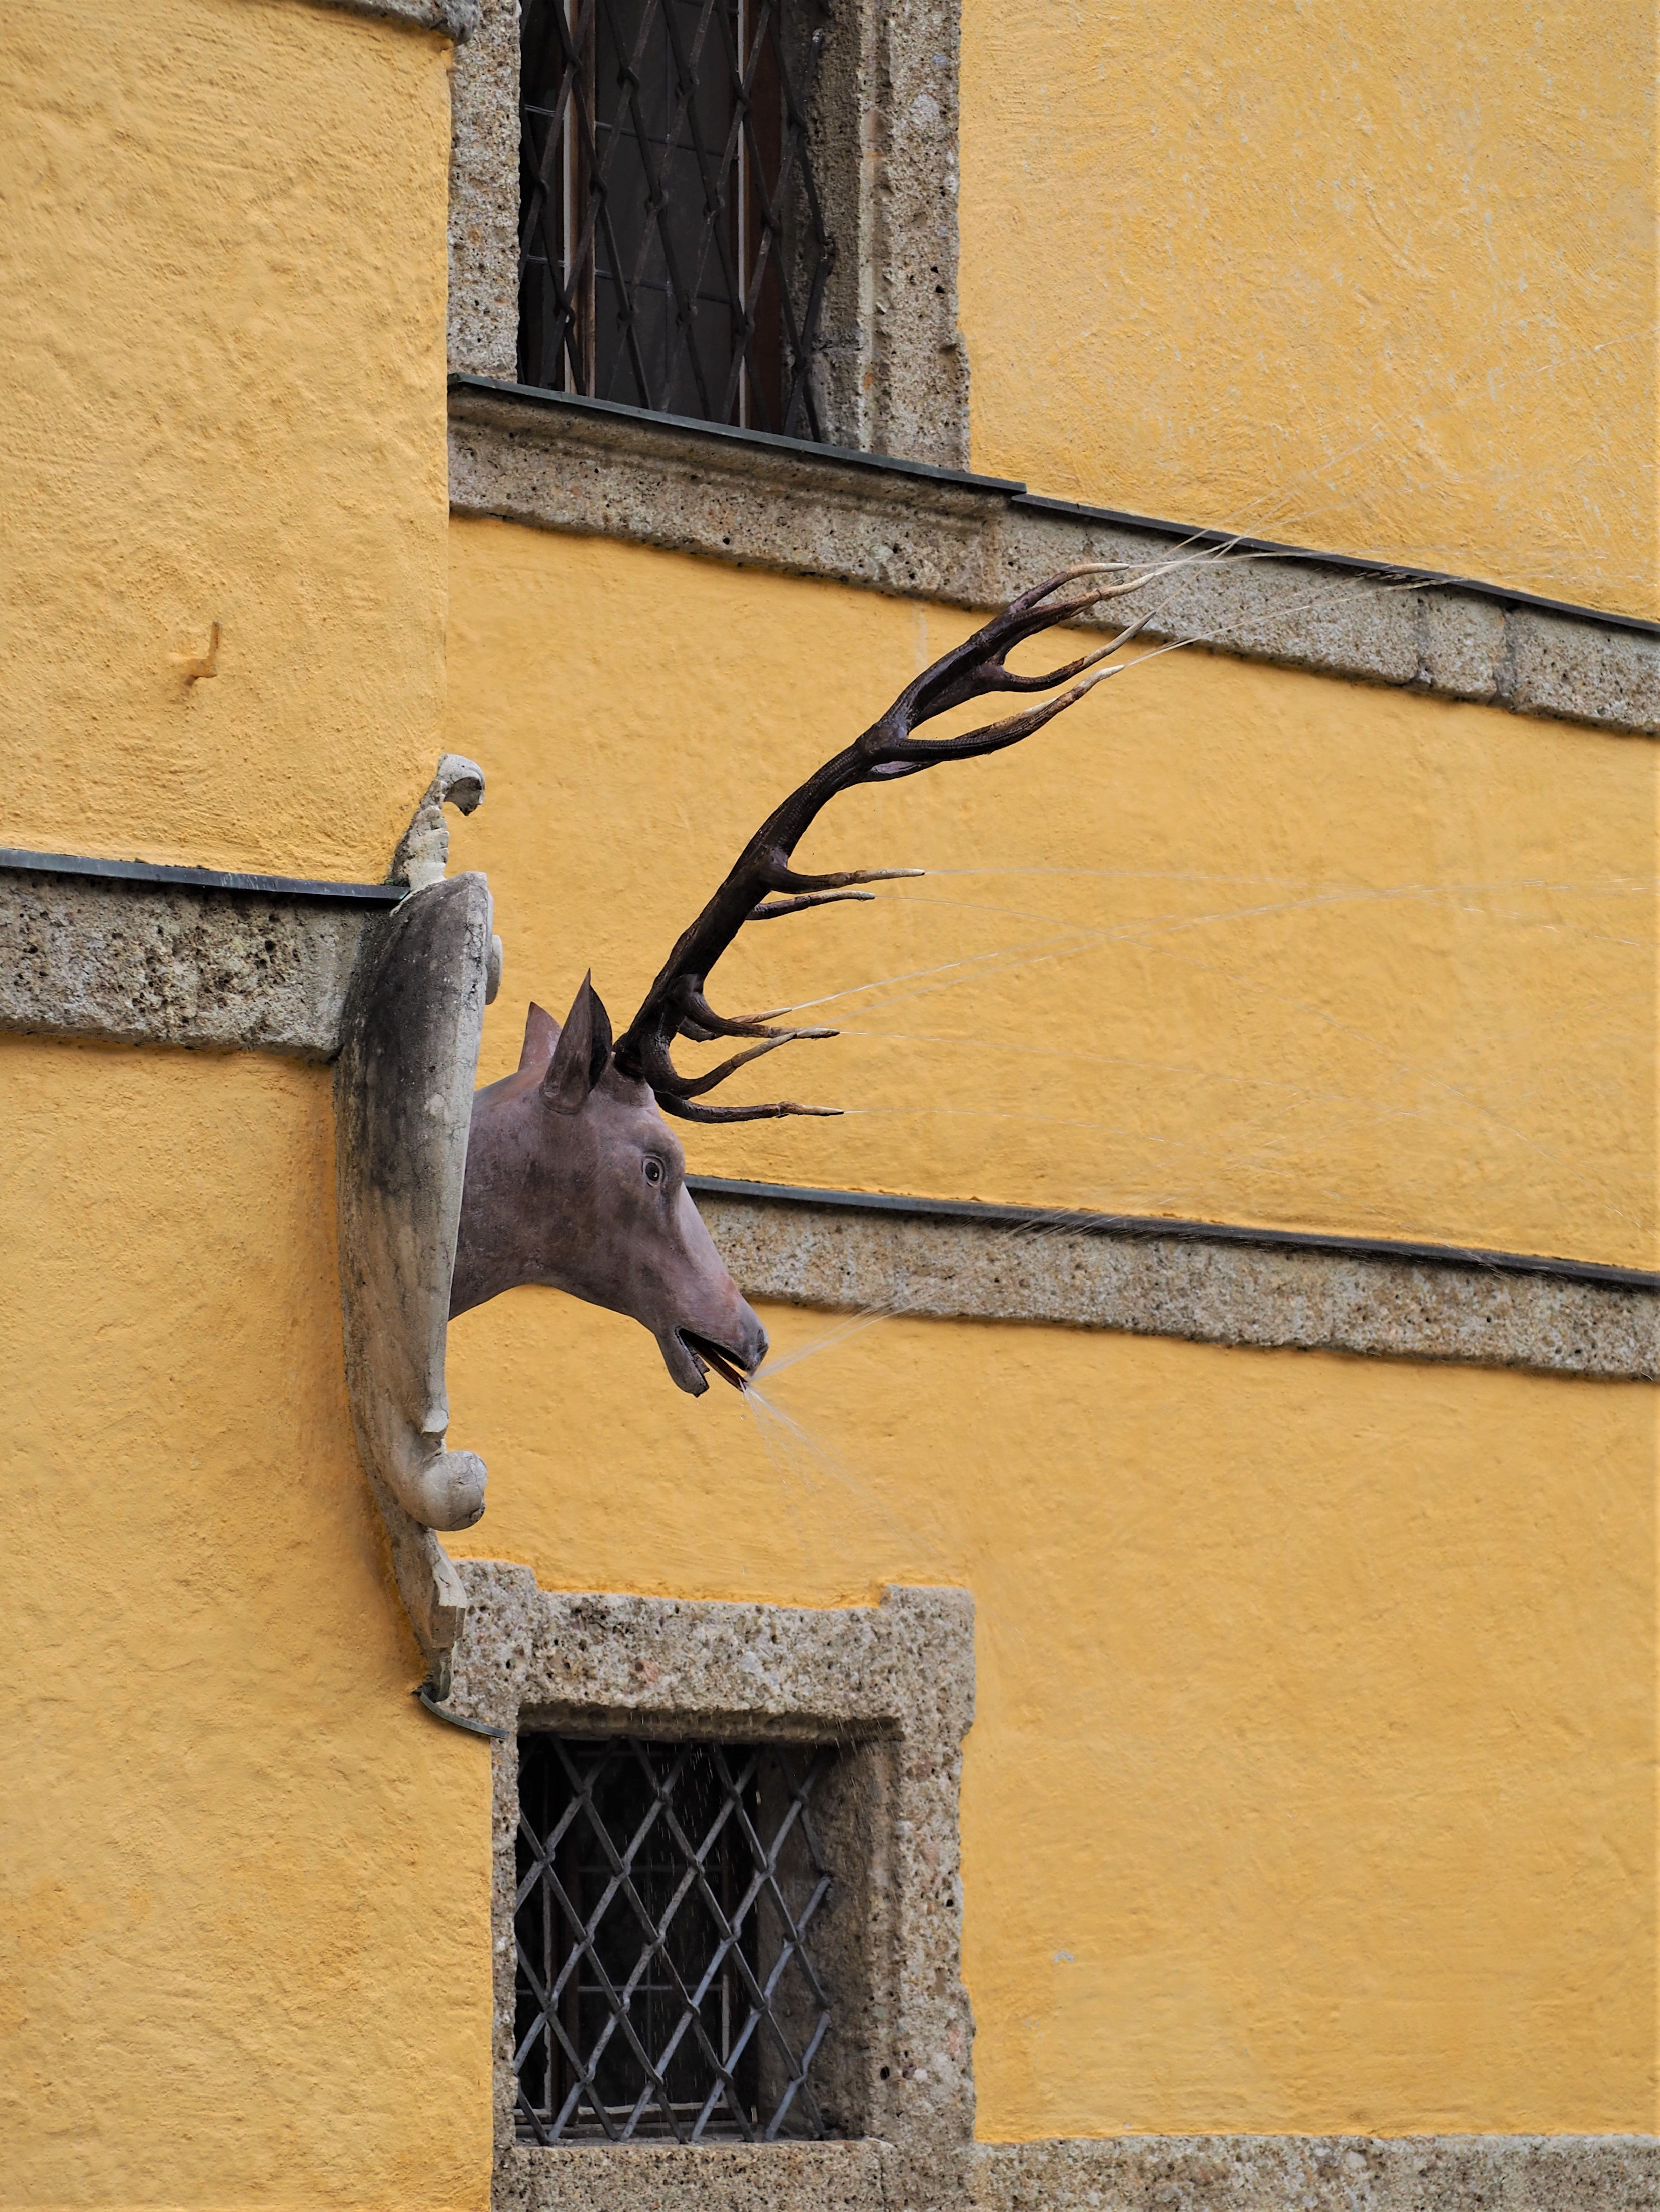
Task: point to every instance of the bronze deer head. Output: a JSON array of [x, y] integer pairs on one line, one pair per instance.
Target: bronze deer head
[[574, 1177]]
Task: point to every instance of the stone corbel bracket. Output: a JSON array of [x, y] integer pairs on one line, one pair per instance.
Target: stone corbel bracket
[[402, 1092]]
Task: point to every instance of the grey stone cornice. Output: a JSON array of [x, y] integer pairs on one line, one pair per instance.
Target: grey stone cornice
[[562, 462], [1211, 1283], [130, 953], [1113, 2173], [1320, 2174]]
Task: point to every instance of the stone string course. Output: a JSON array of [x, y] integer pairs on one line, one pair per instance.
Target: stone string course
[[1123, 2173], [572, 465], [161, 964], [135, 963], [1211, 1290]]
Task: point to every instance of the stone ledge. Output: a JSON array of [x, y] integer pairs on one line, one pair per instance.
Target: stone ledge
[[560, 463], [1320, 2174], [1122, 2173], [1211, 1286], [143, 962]]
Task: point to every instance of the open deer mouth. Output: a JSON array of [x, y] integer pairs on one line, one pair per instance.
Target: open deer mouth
[[729, 1366]]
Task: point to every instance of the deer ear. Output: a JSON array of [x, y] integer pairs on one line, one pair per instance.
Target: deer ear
[[579, 1058], [541, 1035]]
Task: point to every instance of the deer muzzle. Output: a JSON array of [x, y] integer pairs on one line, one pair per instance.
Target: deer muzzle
[[690, 1355]]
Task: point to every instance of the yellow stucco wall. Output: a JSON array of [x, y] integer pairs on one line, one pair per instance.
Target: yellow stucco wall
[[1380, 279], [1312, 1786], [1226, 941], [223, 364], [245, 1892]]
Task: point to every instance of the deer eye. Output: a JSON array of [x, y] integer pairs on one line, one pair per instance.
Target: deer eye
[[654, 1170]]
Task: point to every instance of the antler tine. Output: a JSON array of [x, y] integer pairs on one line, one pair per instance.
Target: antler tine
[[684, 1112], [761, 886]]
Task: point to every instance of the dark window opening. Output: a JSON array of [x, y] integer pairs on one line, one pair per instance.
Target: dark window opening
[[665, 1985], [672, 251]]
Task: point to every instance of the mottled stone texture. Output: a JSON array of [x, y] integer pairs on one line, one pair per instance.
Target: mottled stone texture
[[164, 964], [895, 375], [973, 542], [483, 211], [456, 19], [1213, 1290], [402, 1094], [1320, 2174], [893, 1687]]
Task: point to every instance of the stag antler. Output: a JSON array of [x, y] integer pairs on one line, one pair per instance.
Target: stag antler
[[762, 885]]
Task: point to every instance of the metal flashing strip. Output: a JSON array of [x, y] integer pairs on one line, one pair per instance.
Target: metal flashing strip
[[213, 879], [760, 442], [1039, 1218], [1208, 1282]]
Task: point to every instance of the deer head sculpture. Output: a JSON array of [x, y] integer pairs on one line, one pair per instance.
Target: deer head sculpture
[[574, 1176]]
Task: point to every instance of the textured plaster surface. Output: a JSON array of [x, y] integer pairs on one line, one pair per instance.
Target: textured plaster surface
[[232, 1841], [1280, 269], [1228, 941], [1216, 1292], [893, 1685], [238, 423], [974, 545]]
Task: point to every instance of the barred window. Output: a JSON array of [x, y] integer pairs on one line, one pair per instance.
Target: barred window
[[664, 1919], [673, 253]]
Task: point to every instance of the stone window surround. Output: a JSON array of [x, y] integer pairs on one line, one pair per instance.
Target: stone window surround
[[893, 370], [891, 1684]]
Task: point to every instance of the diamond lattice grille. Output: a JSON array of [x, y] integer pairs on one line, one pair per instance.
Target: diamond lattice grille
[[672, 247], [665, 1987]]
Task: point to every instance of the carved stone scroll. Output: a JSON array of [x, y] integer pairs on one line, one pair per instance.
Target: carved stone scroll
[[403, 1101]]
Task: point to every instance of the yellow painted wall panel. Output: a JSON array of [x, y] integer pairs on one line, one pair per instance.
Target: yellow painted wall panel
[[223, 361], [245, 1890], [1380, 279], [1227, 941], [1311, 1784]]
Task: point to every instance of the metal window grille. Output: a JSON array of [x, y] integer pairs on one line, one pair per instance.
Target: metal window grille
[[666, 1894], [672, 251]]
